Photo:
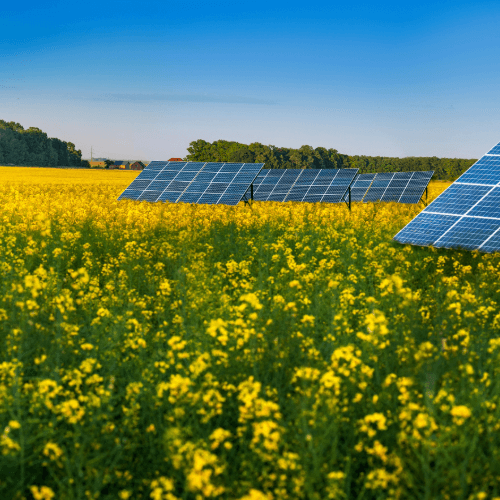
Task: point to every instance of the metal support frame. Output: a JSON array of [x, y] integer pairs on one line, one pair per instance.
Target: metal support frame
[[422, 199], [247, 201], [348, 203]]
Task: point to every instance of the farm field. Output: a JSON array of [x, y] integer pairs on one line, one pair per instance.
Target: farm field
[[283, 351]]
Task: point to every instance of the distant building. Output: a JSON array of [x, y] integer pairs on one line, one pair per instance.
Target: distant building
[[137, 165], [124, 165], [176, 159]]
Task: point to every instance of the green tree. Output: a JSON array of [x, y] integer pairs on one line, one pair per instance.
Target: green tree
[[243, 155]]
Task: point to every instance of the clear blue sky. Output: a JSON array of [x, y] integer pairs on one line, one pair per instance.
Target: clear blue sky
[[141, 80]]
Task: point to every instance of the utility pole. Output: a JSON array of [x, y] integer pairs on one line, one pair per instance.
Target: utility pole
[[91, 157]]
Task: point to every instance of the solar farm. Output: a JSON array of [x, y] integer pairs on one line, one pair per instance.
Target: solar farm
[[222, 330]]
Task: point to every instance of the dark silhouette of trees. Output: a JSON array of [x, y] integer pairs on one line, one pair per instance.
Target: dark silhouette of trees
[[309, 157], [32, 147]]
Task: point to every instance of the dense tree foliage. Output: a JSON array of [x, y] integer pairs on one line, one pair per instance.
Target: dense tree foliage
[[309, 157], [33, 147]]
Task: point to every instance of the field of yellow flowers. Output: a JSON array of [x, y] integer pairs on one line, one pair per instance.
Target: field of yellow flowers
[[283, 351]]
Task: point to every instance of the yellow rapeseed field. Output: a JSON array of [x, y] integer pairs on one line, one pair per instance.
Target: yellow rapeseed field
[[283, 351]]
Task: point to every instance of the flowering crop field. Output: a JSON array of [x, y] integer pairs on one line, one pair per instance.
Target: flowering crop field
[[283, 351]]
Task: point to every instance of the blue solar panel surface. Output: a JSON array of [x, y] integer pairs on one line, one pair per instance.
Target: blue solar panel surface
[[400, 187], [466, 215], [193, 182], [309, 185]]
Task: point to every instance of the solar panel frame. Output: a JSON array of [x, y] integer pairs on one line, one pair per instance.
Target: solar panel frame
[[471, 204]]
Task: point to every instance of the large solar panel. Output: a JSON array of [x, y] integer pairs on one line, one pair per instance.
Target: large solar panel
[[310, 185], [193, 182], [466, 215], [401, 187]]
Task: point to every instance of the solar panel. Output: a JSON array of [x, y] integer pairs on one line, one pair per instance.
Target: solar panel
[[466, 215], [416, 186], [193, 182], [400, 187], [309, 185]]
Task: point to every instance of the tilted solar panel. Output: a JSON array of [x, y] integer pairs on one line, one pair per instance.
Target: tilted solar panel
[[400, 187], [309, 185], [416, 187], [360, 186], [466, 215], [193, 182]]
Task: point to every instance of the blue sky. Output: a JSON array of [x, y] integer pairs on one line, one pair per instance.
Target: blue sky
[[141, 80]]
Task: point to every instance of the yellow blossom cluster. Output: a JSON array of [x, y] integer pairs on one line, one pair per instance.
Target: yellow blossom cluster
[[278, 351]]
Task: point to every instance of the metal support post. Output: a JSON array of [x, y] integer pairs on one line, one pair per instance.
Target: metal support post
[[422, 199], [349, 198], [251, 191]]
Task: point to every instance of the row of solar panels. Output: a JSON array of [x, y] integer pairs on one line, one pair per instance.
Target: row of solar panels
[[332, 185], [466, 215], [229, 183]]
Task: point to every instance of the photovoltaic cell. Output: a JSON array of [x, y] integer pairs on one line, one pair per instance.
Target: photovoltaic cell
[[495, 150], [466, 215], [193, 182]]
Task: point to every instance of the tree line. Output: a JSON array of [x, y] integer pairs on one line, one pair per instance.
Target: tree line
[[32, 147], [309, 157]]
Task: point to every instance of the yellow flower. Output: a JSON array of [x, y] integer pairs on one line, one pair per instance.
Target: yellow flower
[[52, 451], [254, 494], [461, 411], [308, 319], [42, 493]]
